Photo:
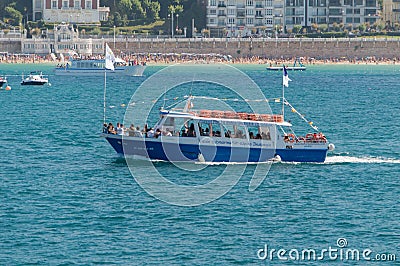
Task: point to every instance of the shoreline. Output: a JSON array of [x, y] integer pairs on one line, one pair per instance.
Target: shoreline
[[170, 59]]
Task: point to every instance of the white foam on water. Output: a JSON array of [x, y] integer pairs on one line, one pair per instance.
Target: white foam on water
[[366, 159]]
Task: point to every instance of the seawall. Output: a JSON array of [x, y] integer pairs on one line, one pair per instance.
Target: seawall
[[268, 48]]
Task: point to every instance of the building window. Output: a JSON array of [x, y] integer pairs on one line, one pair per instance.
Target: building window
[[268, 12], [349, 20], [88, 4], [356, 20], [249, 21], [357, 11], [268, 21], [249, 2], [77, 4], [231, 11], [211, 21], [249, 12], [231, 20], [213, 12], [213, 2], [268, 3], [231, 2], [65, 4], [370, 3], [54, 4], [38, 4]]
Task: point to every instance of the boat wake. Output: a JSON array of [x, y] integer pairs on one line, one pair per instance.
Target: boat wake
[[365, 159]]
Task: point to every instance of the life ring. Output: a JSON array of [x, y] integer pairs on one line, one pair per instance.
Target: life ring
[[309, 136], [291, 138]]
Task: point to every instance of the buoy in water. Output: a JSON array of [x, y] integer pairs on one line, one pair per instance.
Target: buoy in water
[[277, 158], [331, 146], [8, 88]]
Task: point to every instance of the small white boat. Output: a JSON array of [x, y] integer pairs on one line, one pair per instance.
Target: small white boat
[[95, 67], [3, 80], [34, 78]]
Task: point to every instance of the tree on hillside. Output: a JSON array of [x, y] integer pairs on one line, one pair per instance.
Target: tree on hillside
[[14, 15]]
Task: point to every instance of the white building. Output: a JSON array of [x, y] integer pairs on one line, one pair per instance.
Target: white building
[[70, 11], [248, 17], [61, 40]]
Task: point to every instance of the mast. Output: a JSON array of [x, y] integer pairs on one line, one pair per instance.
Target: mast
[[104, 96], [283, 94]]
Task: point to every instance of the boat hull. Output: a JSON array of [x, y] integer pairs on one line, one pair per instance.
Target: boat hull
[[136, 70], [176, 151], [287, 68], [302, 155], [38, 83]]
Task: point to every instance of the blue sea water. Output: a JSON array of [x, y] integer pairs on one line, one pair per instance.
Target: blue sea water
[[66, 198]]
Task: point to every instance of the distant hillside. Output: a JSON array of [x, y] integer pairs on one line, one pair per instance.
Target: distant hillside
[[123, 12]]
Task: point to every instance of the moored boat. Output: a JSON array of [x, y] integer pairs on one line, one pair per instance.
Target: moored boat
[[95, 67], [3, 80], [34, 78], [297, 65]]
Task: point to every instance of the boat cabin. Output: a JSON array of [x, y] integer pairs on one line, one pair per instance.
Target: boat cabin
[[218, 124]]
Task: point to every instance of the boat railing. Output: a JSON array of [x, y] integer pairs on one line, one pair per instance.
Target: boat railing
[[309, 138], [238, 115]]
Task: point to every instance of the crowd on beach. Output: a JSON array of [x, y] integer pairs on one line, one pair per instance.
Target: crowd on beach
[[172, 58]]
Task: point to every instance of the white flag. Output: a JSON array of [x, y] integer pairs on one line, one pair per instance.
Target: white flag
[[110, 58], [286, 78]]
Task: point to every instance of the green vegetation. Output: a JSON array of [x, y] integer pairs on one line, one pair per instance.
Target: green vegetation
[[153, 16]]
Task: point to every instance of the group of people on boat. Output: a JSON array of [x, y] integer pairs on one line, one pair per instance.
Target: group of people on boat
[[311, 137], [186, 131], [133, 131]]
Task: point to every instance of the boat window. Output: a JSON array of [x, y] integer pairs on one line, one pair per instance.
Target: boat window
[[254, 132], [265, 133], [235, 131], [204, 129], [216, 130], [172, 126], [187, 128]]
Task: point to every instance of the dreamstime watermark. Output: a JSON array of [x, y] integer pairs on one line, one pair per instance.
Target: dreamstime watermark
[[156, 182], [340, 252]]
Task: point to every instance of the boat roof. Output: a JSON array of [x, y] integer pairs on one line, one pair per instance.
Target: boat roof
[[195, 115]]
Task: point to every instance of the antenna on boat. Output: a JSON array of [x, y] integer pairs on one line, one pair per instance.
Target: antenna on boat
[[165, 94], [188, 104]]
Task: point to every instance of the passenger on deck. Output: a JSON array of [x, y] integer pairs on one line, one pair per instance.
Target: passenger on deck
[[120, 129], [157, 133], [167, 133], [251, 135], [150, 133], [131, 130], [183, 133], [191, 132], [105, 128], [111, 129], [258, 136]]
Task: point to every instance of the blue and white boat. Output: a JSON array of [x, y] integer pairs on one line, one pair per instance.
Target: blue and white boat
[[3, 80], [95, 67], [219, 136], [34, 78]]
